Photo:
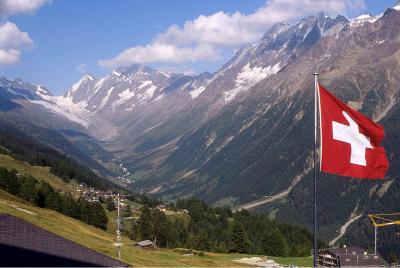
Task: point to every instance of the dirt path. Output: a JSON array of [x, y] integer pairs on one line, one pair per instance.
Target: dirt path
[[264, 200], [282, 194], [343, 229]]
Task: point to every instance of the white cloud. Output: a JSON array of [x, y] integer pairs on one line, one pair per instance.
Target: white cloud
[[9, 56], [12, 40], [162, 53], [178, 69], [12, 37], [202, 38], [81, 68], [12, 7]]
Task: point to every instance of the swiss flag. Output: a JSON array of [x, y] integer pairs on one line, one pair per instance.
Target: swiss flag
[[349, 140]]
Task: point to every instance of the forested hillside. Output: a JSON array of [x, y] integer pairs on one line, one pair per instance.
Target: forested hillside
[[43, 195], [220, 230], [25, 148]]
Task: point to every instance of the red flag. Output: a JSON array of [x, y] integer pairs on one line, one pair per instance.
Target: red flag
[[349, 140]]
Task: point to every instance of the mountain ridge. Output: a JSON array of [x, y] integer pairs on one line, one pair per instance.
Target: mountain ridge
[[243, 132]]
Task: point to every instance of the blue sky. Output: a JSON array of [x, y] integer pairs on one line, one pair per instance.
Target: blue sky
[[61, 39]]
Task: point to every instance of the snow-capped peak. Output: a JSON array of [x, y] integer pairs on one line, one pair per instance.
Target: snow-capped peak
[[364, 16], [116, 73], [42, 92], [78, 84], [86, 76], [164, 73]]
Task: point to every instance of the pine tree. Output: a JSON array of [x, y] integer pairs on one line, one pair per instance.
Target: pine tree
[[98, 216], [273, 243], [145, 224], [181, 233], [160, 228], [110, 204], [392, 258], [239, 241], [127, 211], [203, 241], [28, 189]]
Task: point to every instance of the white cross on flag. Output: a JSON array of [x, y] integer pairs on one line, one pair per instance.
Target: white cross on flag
[[350, 141]]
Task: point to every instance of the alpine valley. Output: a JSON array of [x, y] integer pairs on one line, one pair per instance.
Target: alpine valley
[[242, 136]]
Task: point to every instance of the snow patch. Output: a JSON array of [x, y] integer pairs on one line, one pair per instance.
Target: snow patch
[[116, 73], [148, 93], [76, 86], [166, 75], [145, 84], [64, 106], [105, 100], [16, 93], [124, 96], [42, 93], [41, 90], [196, 92], [98, 86], [159, 97], [365, 18], [249, 77]]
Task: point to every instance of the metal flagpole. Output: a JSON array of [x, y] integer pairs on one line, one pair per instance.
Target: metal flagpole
[[315, 166]]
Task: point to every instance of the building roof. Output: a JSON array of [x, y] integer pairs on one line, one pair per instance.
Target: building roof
[[361, 260], [24, 244], [348, 250], [145, 243], [354, 256]]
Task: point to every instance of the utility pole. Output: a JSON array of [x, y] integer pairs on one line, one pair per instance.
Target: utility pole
[[119, 226], [118, 229]]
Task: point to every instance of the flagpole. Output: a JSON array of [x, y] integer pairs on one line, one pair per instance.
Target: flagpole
[[315, 166]]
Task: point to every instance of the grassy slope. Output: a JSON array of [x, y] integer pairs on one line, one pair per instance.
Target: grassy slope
[[100, 240], [298, 261], [38, 172]]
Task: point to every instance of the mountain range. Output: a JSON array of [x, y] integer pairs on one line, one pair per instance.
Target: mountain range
[[242, 136]]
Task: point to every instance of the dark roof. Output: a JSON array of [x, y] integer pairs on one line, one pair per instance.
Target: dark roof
[[361, 260], [24, 244], [355, 256], [348, 250]]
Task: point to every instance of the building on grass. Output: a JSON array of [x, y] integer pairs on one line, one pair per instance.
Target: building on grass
[[349, 257], [162, 208]]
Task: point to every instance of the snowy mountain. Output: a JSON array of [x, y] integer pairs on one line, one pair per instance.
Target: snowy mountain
[[249, 134], [245, 131]]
